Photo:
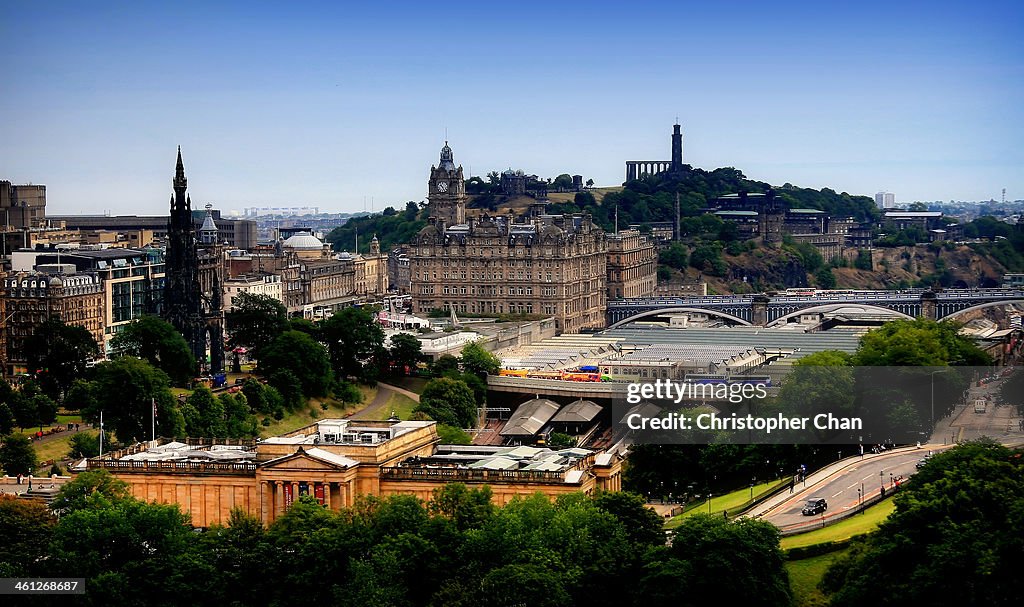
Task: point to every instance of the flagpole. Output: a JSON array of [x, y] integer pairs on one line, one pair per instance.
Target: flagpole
[[101, 433], [153, 419]]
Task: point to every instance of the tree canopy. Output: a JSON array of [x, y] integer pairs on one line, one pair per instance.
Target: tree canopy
[[255, 321], [158, 342], [449, 401], [352, 338], [919, 342], [124, 389], [954, 538], [58, 354], [297, 353]]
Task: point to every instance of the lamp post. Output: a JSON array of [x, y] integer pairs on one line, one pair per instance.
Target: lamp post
[[881, 479], [932, 381]]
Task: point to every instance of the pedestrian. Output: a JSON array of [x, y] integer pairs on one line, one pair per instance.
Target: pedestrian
[[725, 515], [791, 483]]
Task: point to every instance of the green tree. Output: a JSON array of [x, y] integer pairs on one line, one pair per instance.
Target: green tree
[[306, 326], [204, 414], [735, 563], [919, 342], [863, 261], [825, 278], [297, 353], [674, 256], [444, 364], [81, 396], [25, 526], [478, 361], [406, 350], [707, 257], [88, 488], [158, 342], [352, 338], [84, 444], [238, 417], [7, 420], [289, 387], [255, 321], [641, 524], [563, 182], [57, 355], [467, 508], [17, 456], [952, 539], [126, 549], [450, 435], [449, 401], [124, 390]]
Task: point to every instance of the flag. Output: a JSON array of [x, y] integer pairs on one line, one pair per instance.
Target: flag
[[154, 407]]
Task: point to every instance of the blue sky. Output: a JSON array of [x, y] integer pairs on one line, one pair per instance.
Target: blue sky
[[330, 104]]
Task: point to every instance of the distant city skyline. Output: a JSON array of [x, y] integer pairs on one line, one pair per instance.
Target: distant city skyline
[[330, 105]]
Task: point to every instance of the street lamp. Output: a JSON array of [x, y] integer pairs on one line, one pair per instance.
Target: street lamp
[[932, 380], [881, 480]]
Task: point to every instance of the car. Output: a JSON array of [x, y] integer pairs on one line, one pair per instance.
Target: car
[[815, 505], [921, 462]]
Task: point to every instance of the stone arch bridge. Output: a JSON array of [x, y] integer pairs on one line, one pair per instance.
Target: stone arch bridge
[[768, 310]]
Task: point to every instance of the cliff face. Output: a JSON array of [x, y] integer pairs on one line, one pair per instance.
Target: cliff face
[[766, 269]]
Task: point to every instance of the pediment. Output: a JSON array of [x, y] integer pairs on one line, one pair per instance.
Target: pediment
[[305, 461]]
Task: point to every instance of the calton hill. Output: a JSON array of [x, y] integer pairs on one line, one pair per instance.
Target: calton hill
[[712, 250]]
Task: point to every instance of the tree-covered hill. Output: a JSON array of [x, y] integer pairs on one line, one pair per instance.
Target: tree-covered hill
[[653, 198], [392, 228], [641, 201]]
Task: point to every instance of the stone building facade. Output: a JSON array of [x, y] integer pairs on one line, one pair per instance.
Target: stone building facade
[[538, 264], [35, 297], [336, 460], [632, 265]]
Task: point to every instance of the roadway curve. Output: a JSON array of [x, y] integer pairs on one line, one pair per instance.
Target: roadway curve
[[842, 489]]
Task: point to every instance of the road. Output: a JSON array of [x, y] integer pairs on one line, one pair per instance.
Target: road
[[840, 483], [842, 491]]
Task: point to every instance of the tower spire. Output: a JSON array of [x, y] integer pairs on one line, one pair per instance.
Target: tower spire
[[179, 173]]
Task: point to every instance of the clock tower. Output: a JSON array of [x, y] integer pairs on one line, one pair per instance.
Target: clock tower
[[446, 191]]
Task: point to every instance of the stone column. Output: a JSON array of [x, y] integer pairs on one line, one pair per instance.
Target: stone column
[[327, 495], [278, 499], [265, 515], [929, 309], [759, 312], [295, 491]]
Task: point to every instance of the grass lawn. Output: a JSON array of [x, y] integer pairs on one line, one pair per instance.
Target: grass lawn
[[301, 418], [804, 576], [401, 404], [720, 503], [844, 529], [412, 384], [56, 449]]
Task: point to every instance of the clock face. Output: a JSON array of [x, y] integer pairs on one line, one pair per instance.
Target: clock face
[[442, 186]]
